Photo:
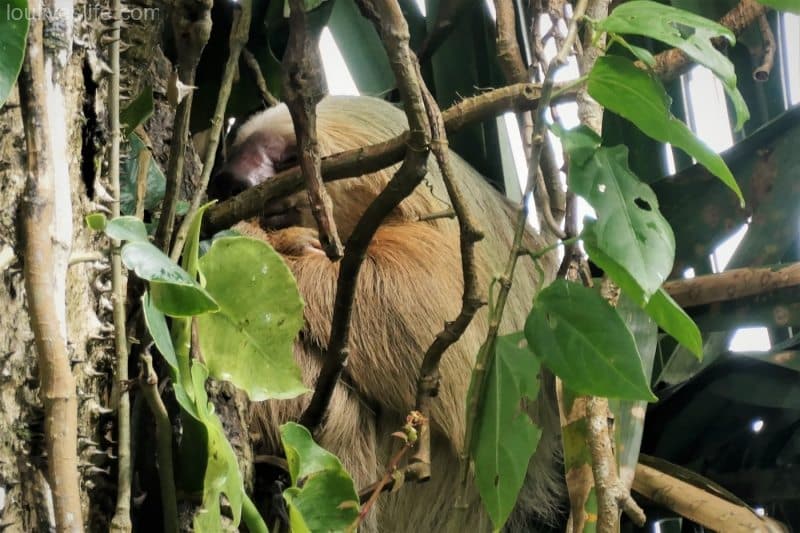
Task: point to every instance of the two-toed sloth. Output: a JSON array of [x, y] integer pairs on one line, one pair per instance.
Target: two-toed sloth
[[410, 284]]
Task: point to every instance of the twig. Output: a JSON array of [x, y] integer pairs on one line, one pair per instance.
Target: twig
[[670, 64], [240, 30], [471, 301], [762, 72], [142, 171], [148, 381], [252, 63], [303, 89], [122, 514], [410, 435], [612, 494], [393, 30], [360, 161], [191, 25], [486, 354], [57, 384]]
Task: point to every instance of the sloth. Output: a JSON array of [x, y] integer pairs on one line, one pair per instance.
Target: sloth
[[410, 284]]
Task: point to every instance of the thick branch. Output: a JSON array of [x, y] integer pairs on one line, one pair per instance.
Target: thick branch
[[732, 285], [57, 384], [360, 161]]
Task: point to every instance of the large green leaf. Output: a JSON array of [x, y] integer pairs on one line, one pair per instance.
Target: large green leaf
[[783, 5], [618, 85], [630, 239], [138, 111], [681, 29], [322, 497], [249, 341], [506, 436], [583, 340], [14, 18]]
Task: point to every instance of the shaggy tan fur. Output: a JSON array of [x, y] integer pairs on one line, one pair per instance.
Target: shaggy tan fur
[[410, 285]]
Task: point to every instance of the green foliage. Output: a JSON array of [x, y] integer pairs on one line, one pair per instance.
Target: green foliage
[[582, 339], [681, 29], [14, 20], [249, 340], [674, 320], [137, 112], [322, 497], [630, 240], [506, 436], [617, 84], [156, 182], [792, 6], [96, 221]]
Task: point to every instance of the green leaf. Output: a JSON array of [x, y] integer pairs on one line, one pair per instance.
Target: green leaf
[[138, 111], [630, 240], [174, 292], [14, 19], [583, 340], [674, 320], [249, 341], [156, 182], [222, 474], [126, 228], [642, 54], [96, 221], [639, 97], [322, 497], [792, 6], [506, 436], [681, 29]]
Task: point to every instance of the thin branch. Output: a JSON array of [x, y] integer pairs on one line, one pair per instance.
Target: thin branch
[[148, 381], [486, 354], [57, 384], [303, 87], [360, 161], [240, 31], [471, 301], [122, 515], [252, 63], [762, 72], [393, 30], [191, 25]]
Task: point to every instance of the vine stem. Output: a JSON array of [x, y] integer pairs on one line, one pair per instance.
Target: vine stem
[[486, 353]]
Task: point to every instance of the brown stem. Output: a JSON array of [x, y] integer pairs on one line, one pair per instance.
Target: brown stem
[[393, 30], [762, 72], [261, 83], [303, 88], [57, 384]]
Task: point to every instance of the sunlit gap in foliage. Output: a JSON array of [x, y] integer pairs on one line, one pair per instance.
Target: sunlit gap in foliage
[[336, 72], [707, 115], [422, 8], [790, 57]]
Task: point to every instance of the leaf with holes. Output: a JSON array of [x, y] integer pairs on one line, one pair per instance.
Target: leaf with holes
[[639, 97], [506, 436], [630, 239], [583, 340], [681, 29]]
